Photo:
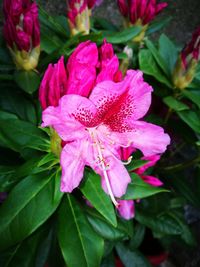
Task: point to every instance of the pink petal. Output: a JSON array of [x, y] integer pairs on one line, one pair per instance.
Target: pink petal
[[126, 209], [118, 177], [151, 180], [72, 163], [123, 7], [149, 138], [151, 162], [81, 68], [125, 152], [118, 103], [69, 117]]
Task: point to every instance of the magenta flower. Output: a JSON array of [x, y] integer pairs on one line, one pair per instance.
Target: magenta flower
[[94, 128], [185, 69], [22, 32], [78, 14], [148, 178]]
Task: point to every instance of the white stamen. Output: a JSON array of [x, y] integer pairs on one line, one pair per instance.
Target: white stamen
[[104, 167], [128, 161]]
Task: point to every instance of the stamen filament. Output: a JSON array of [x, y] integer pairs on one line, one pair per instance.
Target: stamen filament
[[104, 168]]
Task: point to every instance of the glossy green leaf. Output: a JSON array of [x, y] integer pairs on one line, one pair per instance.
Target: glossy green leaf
[[159, 60], [123, 36], [162, 223], [131, 258], [28, 206], [187, 234], [15, 102], [80, 245], [107, 231], [191, 118], [138, 189], [157, 24], [149, 66], [36, 248], [17, 135], [92, 190], [135, 164], [168, 51], [175, 104], [137, 238], [27, 80], [194, 96]]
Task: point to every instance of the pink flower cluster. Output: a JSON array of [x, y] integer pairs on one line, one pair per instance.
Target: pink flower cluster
[[95, 112], [21, 27], [143, 10]]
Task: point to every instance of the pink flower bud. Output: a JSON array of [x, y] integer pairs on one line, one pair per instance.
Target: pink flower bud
[[186, 64], [53, 85], [140, 12], [78, 14]]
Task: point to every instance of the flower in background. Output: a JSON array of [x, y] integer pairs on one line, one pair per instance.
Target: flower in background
[[140, 13], [127, 207], [185, 69], [78, 14], [99, 114], [22, 32]]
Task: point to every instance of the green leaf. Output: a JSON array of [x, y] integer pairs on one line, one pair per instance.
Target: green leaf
[[80, 245], [149, 66], [103, 228], [28, 206], [27, 80], [131, 258], [184, 188], [186, 235], [36, 248], [138, 189], [123, 36], [137, 238], [92, 190], [135, 164], [191, 118], [157, 24], [193, 96], [168, 51], [175, 104], [159, 60], [15, 102], [162, 223], [17, 135]]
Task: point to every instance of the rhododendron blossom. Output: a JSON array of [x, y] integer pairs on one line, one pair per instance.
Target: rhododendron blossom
[[94, 127]]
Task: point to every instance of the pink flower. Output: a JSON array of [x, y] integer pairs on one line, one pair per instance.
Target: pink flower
[[83, 71], [22, 32], [147, 178], [140, 10], [95, 127], [126, 209], [78, 14], [186, 64]]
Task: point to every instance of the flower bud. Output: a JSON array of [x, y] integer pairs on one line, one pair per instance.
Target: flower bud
[[140, 13], [78, 14], [186, 64], [22, 32], [53, 85]]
